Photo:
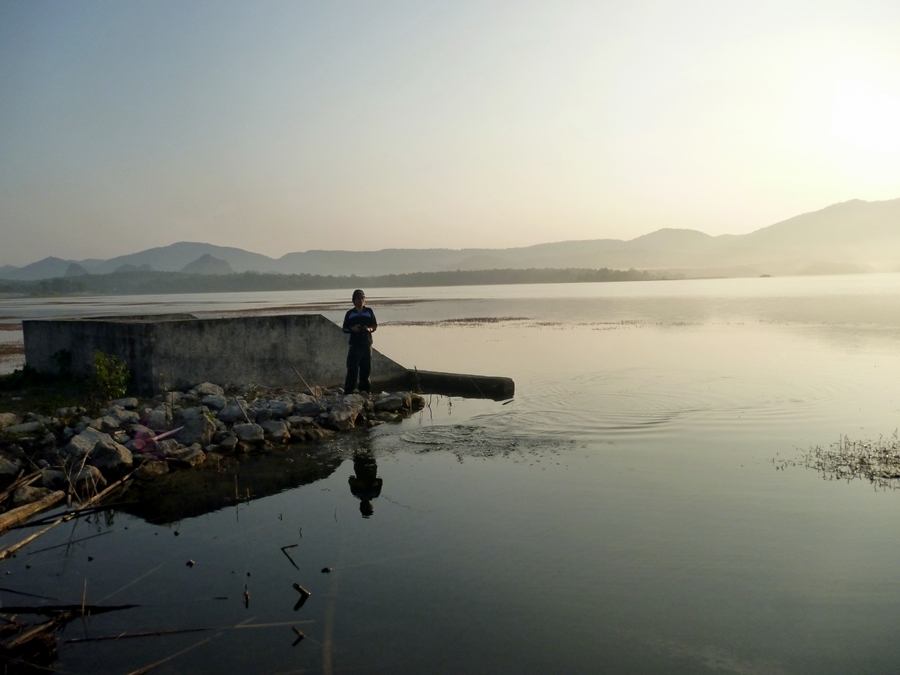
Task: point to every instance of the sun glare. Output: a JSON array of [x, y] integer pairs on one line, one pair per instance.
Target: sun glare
[[864, 120]]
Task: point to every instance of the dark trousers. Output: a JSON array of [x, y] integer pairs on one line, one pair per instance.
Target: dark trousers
[[359, 365]]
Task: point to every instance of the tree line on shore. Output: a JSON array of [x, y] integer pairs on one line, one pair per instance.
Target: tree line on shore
[[153, 282]]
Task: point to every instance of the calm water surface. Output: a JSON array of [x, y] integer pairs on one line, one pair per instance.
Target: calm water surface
[[622, 514]]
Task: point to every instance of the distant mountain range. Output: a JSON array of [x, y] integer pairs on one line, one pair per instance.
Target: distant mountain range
[[853, 236]]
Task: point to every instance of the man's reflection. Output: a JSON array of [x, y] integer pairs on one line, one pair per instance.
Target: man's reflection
[[365, 485]]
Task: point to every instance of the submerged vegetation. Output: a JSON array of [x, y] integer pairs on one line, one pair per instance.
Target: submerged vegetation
[[150, 282]]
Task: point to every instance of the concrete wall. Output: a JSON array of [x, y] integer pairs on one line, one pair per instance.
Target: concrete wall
[[175, 351]]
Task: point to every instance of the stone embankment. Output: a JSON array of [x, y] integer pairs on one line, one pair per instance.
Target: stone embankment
[[72, 451]]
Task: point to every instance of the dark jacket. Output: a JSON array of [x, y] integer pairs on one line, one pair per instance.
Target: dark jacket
[[363, 317]]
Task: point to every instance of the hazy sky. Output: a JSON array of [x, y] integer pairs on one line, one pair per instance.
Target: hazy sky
[[284, 126]]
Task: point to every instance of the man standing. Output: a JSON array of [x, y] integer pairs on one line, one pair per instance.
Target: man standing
[[359, 323]]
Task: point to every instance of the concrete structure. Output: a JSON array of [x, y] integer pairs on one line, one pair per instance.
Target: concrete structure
[[179, 350], [174, 351]]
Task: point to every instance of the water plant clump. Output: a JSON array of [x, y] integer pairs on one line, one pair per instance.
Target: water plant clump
[[877, 461]]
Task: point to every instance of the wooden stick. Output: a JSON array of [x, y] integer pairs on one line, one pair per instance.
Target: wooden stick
[[128, 636], [24, 512], [246, 416], [24, 594], [19, 482], [177, 631], [81, 512], [314, 392], [151, 666], [69, 543], [54, 609], [7, 552]]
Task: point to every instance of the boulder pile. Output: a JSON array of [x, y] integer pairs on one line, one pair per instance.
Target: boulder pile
[[177, 430]]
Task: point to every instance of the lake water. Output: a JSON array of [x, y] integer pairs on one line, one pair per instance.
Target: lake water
[[626, 512]]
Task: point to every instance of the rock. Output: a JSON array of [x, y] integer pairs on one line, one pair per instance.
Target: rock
[[129, 403], [192, 456], [8, 419], [27, 494], [105, 423], [214, 401], [101, 450], [70, 412], [111, 458], [168, 445], [151, 469], [207, 389], [275, 430], [259, 411], [279, 409], [54, 479], [157, 419], [9, 468], [139, 430], [24, 428], [417, 402], [295, 421], [228, 444], [318, 433], [249, 433], [231, 413], [124, 417], [388, 403], [91, 476], [173, 397], [343, 414], [306, 405], [342, 417], [355, 400], [198, 428], [84, 443]]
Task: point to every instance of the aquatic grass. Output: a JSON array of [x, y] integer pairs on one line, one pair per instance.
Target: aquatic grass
[[877, 461]]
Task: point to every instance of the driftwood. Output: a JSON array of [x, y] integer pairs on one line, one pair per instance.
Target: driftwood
[[9, 551], [36, 631], [22, 513]]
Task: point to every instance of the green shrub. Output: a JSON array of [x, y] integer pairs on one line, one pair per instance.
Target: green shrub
[[110, 376]]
